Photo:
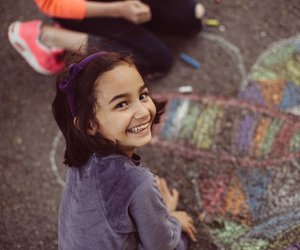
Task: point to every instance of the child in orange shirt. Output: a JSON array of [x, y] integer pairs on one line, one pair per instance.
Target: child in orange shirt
[[111, 25]]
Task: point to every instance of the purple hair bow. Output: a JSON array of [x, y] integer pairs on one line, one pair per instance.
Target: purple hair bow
[[68, 85]]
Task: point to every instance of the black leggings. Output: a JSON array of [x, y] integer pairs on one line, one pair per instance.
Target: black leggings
[[175, 17]]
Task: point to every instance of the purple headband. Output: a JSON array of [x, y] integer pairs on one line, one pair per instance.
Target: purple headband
[[68, 85]]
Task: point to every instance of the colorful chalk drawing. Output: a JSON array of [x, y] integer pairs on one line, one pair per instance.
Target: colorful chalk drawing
[[247, 181], [274, 79], [248, 176], [255, 135]]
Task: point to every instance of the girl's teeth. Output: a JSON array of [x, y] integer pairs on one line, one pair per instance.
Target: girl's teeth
[[138, 129]]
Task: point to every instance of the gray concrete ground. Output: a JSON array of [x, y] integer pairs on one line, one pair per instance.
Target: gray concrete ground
[[30, 191]]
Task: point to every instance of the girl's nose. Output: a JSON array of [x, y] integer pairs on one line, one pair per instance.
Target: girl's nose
[[141, 111]]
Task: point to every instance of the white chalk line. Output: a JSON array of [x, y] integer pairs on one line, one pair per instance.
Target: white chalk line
[[230, 47], [52, 159]]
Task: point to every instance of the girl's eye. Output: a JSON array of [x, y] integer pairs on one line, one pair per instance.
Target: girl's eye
[[144, 96], [121, 105]]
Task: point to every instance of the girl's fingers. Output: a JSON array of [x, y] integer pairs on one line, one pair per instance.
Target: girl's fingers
[[158, 183], [191, 230], [175, 192], [165, 187], [194, 230], [163, 182], [157, 180], [192, 226], [192, 235]]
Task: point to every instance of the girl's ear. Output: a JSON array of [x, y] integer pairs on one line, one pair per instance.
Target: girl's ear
[[76, 122], [93, 128]]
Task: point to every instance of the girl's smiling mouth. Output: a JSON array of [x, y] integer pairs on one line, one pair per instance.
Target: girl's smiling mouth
[[139, 128]]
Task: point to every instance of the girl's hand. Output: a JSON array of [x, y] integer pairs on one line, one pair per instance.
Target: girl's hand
[[170, 197], [187, 223], [135, 11]]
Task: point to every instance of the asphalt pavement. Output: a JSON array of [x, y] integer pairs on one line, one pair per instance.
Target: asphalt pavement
[[30, 183]]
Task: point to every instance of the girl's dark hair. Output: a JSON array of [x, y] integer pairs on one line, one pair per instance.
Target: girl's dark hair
[[79, 144]]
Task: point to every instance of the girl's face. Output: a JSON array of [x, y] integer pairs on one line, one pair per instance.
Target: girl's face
[[125, 111]]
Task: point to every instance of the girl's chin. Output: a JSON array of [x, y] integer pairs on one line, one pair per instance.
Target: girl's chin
[[136, 143]]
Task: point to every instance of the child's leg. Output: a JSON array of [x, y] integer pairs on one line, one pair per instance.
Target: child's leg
[[177, 17], [53, 36], [152, 55]]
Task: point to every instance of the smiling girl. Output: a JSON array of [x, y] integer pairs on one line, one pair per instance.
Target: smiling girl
[[111, 201]]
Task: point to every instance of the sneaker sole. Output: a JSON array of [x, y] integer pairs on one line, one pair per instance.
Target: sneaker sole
[[21, 47]]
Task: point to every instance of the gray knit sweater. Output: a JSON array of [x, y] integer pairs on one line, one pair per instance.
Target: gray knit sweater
[[113, 203]]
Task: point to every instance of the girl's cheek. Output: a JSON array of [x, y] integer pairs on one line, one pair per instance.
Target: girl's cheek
[[153, 108]]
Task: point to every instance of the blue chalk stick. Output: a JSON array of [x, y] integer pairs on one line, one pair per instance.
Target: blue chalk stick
[[189, 60]]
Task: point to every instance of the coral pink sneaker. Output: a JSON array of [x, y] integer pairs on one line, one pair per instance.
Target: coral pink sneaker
[[24, 37]]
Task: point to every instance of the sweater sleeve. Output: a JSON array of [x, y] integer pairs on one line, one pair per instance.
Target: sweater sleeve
[[70, 9], [156, 229]]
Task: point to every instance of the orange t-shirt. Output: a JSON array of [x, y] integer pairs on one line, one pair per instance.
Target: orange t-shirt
[[72, 9]]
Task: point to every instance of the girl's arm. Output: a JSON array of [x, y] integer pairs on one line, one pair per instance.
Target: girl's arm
[[132, 10], [171, 200], [156, 228], [170, 197]]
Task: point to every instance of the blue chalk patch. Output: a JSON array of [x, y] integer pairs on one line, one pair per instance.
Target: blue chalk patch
[[189, 60], [255, 182], [291, 96]]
